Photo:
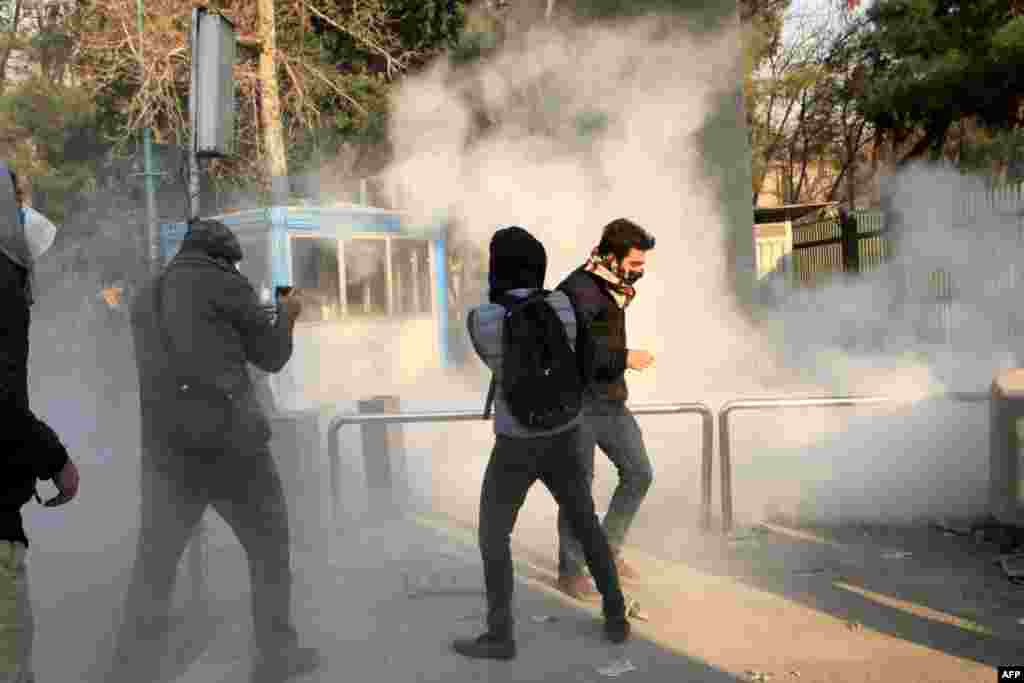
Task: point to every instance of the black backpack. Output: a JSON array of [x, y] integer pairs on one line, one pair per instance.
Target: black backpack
[[542, 381]]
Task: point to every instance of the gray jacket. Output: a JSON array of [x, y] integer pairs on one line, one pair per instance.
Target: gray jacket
[[485, 325]]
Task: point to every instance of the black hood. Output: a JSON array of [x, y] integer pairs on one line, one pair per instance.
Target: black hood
[[518, 261], [213, 239]]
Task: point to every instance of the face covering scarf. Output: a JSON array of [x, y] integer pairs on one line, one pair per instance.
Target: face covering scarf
[[608, 269], [39, 232]]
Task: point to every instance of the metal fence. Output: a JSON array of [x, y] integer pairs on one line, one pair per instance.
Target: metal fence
[[724, 436], [823, 248], [707, 439], [707, 434]]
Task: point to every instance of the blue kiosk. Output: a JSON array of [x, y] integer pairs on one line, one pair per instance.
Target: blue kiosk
[[369, 278]]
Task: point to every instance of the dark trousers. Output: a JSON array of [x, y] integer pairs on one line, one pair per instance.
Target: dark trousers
[[514, 466], [246, 491], [610, 425]]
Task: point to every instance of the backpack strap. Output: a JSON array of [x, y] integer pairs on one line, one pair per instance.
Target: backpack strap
[[490, 398]]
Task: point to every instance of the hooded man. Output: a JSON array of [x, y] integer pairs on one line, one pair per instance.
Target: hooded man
[[602, 289], [201, 318], [522, 455], [29, 449]]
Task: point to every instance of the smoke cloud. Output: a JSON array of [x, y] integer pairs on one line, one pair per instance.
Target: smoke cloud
[[568, 128]]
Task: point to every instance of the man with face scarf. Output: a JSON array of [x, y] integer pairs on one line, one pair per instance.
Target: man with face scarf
[[522, 455], [203, 318], [602, 288], [29, 449]]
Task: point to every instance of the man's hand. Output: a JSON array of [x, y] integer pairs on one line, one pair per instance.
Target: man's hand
[[639, 360], [290, 304], [66, 482]]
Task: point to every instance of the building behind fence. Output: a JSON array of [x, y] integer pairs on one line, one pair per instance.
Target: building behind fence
[[808, 251]]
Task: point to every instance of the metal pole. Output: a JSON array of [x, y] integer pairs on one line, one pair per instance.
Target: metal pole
[[707, 434], [152, 231], [197, 545], [725, 467], [707, 463], [389, 265], [724, 442], [193, 107]]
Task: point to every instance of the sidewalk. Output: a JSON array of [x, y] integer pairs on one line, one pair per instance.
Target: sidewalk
[[386, 601]]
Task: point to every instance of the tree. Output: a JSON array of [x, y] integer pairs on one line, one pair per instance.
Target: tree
[[805, 128], [933, 63], [336, 62], [46, 136], [270, 104], [45, 117]]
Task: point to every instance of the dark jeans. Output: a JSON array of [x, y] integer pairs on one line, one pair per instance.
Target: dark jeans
[[246, 491], [610, 425], [514, 466]]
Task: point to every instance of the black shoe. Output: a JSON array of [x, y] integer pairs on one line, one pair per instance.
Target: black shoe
[[616, 629], [487, 646], [273, 667]]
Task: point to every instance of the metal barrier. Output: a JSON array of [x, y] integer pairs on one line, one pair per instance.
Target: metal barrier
[[707, 439], [724, 445]]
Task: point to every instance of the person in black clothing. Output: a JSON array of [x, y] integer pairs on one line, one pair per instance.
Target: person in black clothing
[[602, 289], [522, 455], [29, 449], [202, 318]]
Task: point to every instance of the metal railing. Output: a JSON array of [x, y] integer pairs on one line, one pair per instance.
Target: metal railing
[[707, 439], [724, 443]]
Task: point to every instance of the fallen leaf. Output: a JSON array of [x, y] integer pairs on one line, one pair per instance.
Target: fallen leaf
[[896, 555], [616, 668], [543, 619]]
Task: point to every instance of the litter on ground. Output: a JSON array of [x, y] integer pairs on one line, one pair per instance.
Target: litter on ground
[[616, 668]]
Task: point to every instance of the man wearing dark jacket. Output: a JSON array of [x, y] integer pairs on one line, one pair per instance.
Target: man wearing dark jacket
[[602, 289], [29, 449], [202, 318], [522, 455]]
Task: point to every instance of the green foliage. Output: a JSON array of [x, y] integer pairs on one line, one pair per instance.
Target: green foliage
[[1003, 149], [56, 143], [429, 24], [422, 26], [590, 124], [473, 46], [933, 62], [1008, 41]]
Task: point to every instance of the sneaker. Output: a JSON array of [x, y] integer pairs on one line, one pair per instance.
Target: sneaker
[[579, 588], [275, 667], [626, 572], [487, 646], [616, 629]]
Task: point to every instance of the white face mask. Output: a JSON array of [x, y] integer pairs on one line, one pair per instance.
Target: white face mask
[[39, 232]]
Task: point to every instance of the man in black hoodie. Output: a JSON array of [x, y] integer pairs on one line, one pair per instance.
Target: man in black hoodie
[[201, 317], [602, 288], [29, 449], [522, 455]]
